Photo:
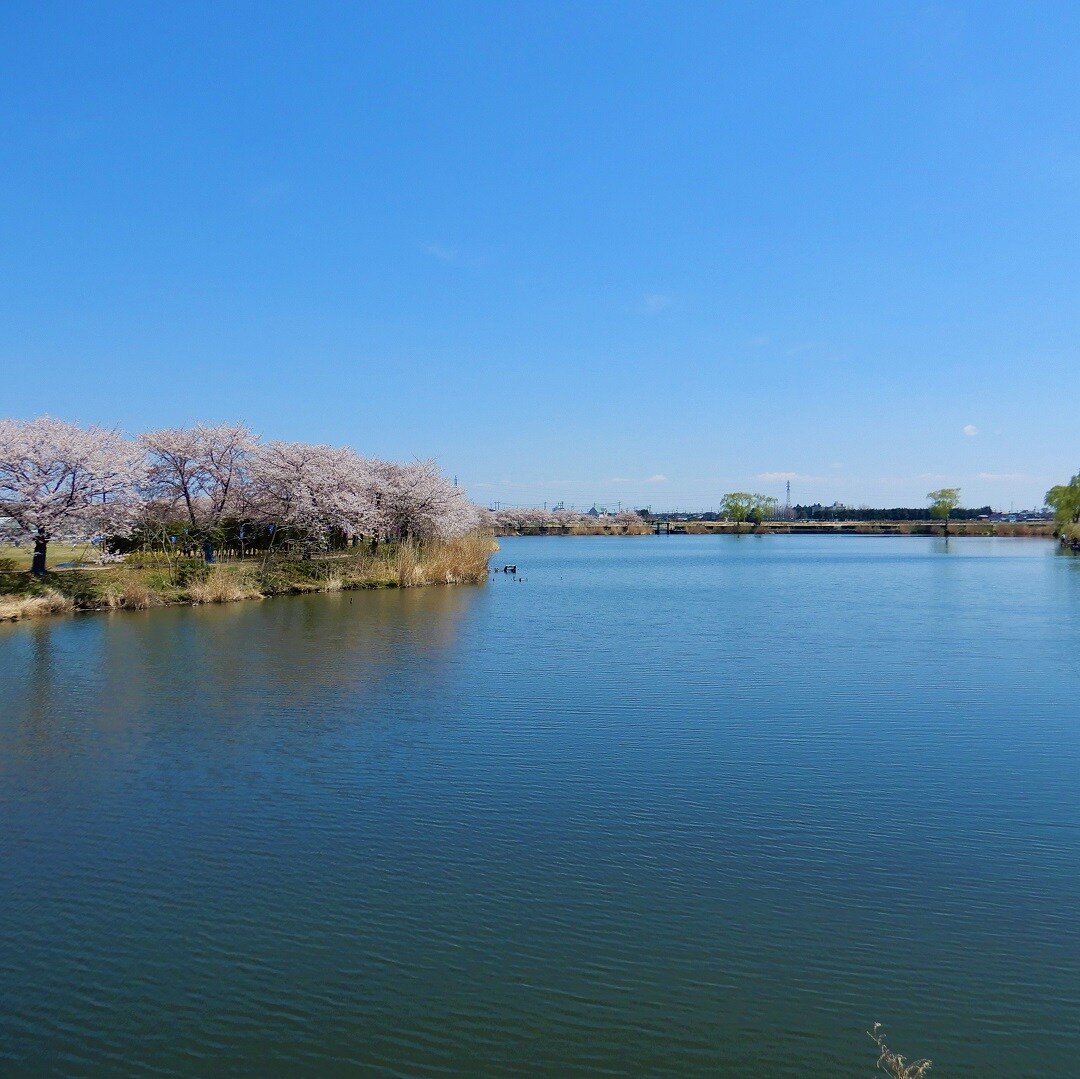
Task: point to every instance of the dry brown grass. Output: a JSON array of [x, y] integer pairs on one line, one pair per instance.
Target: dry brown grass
[[463, 560], [14, 608], [407, 566], [133, 587], [224, 584], [129, 591], [138, 596]]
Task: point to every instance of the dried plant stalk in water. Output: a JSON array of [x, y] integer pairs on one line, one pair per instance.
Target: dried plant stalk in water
[[893, 1063]]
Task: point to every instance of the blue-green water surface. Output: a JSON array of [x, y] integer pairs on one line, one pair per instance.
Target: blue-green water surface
[[682, 806]]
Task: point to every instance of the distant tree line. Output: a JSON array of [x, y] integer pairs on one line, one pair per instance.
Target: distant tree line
[[895, 513], [824, 513]]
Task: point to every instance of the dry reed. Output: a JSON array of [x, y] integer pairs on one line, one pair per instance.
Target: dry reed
[[462, 560], [222, 585], [407, 561], [130, 592], [138, 596], [12, 608]]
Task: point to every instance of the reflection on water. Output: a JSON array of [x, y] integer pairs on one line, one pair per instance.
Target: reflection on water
[[301, 656], [682, 806]]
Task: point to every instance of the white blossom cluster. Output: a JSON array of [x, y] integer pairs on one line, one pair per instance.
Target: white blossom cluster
[[58, 479], [530, 518]]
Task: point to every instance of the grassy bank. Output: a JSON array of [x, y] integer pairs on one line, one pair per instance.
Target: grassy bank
[[154, 580]]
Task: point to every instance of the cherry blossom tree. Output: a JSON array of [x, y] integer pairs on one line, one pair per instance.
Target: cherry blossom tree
[[198, 473], [313, 489], [57, 478], [60, 479], [417, 501], [523, 518], [528, 518]]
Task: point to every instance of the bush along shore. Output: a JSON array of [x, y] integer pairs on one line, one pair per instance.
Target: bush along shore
[[152, 579], [1065, 500]]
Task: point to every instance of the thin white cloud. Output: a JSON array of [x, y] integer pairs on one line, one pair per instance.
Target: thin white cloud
[[437, 251], [971, 430], [759, 341], [658, 478], [780, 477], [456, 256], [655, 302], [1002, 477]]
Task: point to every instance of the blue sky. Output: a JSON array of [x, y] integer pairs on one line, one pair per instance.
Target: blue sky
[[636, 252]]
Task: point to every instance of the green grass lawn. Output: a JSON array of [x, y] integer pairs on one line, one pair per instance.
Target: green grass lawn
[[57, 553]]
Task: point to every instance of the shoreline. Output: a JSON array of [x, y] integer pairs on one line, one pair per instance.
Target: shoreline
[[957, 529], [148, 581]]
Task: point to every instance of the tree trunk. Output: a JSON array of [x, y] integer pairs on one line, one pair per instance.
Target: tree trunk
[[37, 566]]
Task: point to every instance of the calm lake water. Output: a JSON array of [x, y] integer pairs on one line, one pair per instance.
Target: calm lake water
[[686, 806]]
